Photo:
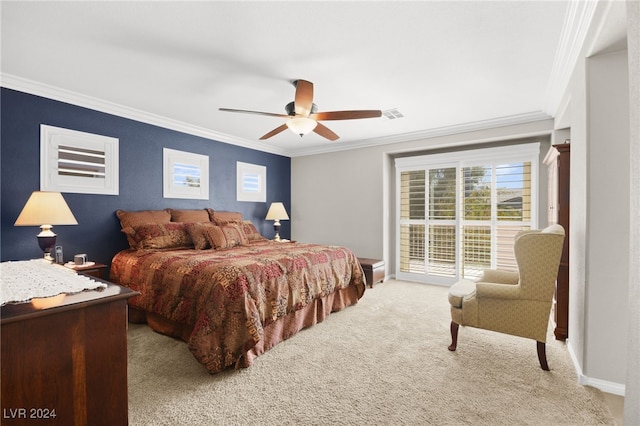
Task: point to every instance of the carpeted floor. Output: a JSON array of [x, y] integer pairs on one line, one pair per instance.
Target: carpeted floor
[[384, 361]]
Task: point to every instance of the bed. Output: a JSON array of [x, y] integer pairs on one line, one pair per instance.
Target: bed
[[213, 281]]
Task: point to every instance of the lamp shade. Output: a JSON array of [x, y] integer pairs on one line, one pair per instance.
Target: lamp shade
[[301, 125], [45, 208], [277, 212]]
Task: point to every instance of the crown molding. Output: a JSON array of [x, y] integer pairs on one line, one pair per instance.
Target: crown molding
[[51, 92], [428, 134], [39, 89], [577, 21]]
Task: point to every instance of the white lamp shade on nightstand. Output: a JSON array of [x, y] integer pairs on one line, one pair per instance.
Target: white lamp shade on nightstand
[[48, 208], [277, 212], [45, 209]]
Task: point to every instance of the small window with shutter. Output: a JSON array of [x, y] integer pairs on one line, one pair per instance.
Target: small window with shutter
[[78, 162], [186, 175], [251, 182]]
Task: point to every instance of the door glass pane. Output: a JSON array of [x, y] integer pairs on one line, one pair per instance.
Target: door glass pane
[[513, 189], [505, 258], [476, 250], [442, 194], [412, 244], [412, 193], [442, 250], [442, 232], [476, 192]]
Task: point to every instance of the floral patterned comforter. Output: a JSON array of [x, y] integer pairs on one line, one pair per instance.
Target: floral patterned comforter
[[229, 295]]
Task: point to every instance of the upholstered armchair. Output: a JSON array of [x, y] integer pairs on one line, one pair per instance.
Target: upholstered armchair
[[516, 303]]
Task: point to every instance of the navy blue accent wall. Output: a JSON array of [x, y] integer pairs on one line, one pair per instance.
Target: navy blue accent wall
[[98, 230]]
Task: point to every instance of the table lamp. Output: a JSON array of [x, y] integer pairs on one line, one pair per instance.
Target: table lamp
[[277, 212], [45, 209]]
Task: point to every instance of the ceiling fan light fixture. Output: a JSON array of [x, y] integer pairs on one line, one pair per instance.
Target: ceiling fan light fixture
[[303, 116], [301, 125]]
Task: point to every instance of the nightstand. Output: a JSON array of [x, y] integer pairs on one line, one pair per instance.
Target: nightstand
[[98, 270]]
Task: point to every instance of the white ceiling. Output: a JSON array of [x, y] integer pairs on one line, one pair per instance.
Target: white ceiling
[[443, 65]]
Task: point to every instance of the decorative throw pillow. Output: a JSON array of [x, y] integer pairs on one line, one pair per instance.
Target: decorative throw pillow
[[159, 236], [222, 218], [198, 233], [251, 231], [189, 215], [131, 219], [225, 236]]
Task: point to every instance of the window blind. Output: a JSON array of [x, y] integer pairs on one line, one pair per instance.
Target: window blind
[[186, 175], [412, 230], [76, 161], [454, 221]]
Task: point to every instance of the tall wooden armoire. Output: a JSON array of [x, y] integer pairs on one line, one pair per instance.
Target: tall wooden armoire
[[558, 160]]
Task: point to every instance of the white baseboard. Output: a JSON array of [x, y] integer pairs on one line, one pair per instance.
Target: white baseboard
[[604, 385]]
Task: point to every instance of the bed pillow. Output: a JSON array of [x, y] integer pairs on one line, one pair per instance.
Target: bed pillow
[[159, 236], [251, 232], [131, 219], [141, 217], [198, 233], [226, 236], [222, 218], [189, 215]]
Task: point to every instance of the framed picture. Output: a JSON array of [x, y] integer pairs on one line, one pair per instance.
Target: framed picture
[[78, 162], [186, 175], [251, 182]]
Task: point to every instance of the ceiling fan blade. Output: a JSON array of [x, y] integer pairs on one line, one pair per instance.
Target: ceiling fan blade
[[274, 132], [324, 131], [243, 111], [304, 97], [346, 115]]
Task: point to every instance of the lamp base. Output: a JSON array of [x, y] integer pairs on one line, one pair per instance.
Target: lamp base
[[276, 227], [47, 241]]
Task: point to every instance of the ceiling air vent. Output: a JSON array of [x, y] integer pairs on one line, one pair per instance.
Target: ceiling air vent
[[392, 114]]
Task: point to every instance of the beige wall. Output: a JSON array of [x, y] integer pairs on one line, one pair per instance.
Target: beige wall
[[607, 207], [337, 199], [577, 117], [632, 390], [598, 115], [347, 198]]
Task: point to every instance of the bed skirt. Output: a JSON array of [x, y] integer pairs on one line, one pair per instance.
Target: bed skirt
[[274, 332]]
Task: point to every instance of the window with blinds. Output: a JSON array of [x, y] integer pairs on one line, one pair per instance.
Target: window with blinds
[[251, 182], [81, 162], [186, 175], [412, 228], [455, 221], [73, 161], [441, 257]]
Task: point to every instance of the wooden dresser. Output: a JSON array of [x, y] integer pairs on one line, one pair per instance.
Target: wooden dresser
[[66, 364], [558, 161]]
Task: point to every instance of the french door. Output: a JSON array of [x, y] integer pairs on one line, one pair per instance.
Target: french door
[[457, 218]]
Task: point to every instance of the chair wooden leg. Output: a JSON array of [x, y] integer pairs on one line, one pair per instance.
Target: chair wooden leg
[[454, 336], [542, 356]]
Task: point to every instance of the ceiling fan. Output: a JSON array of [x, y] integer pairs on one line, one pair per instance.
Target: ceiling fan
[[303, 116]]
